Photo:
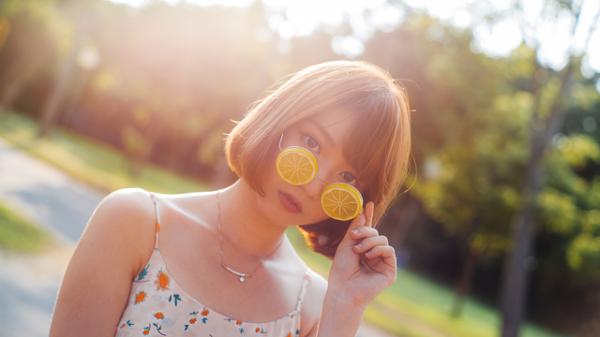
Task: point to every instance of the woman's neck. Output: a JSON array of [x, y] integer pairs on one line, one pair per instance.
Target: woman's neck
[[243, 225]]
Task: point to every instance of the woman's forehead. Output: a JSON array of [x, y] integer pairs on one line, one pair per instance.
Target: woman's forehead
[[338, 124]]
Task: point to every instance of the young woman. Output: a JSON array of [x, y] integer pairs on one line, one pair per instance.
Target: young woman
[[218, 263]]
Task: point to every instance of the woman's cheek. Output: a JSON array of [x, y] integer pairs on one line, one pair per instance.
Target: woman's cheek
[[319, 215]]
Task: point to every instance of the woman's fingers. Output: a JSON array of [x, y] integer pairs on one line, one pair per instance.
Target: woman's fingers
[[363, 231], [381, 251], [370, 242], [368, 212], [371, 210], [360, 227], [387, 253], [347, 240]]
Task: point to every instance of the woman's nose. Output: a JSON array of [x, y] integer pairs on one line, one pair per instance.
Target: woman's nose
[[315, 187]]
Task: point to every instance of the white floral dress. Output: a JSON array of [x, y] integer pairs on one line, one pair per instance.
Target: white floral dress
[[158, 306]]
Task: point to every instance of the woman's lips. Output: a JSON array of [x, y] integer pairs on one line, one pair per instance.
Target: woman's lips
[[290, 202]]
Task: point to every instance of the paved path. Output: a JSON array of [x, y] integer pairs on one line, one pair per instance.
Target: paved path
[[45, 194], [29, 284]]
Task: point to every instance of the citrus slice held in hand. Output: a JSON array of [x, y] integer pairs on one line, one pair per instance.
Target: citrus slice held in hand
[[296, 165], [341, 201]]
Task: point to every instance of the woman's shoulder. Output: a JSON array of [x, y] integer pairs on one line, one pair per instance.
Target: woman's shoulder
[[126, 215], [113, 244], [132, 200], [128, 208]]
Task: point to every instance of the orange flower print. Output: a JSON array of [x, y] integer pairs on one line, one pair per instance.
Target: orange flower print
[[289, 334], [237, 322], [159, 315], [140, 297], [204, 312], [193, 320], [260, 330], [162, 281]]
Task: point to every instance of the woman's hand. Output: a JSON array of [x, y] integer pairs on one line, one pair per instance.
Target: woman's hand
[[364, 264]]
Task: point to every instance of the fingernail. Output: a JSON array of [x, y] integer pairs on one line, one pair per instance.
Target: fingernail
[[356, 230]]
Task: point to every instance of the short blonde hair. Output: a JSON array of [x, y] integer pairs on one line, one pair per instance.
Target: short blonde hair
[[379, 148]]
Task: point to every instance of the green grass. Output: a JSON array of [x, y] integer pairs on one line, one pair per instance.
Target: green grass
[[413, 307], [417, 307], [92, 162], [19, 235]]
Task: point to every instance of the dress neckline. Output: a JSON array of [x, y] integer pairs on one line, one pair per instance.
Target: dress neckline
[[174, 284]]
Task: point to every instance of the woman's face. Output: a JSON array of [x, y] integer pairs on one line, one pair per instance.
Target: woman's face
[[323, 135]]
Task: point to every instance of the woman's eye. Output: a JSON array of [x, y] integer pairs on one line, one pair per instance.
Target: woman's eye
[[349, 178], [310, 142]]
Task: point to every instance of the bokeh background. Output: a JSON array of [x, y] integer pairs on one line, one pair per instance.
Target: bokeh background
[[497, 230]]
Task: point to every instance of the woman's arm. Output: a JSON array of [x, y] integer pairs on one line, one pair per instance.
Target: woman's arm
[[97, 282], [339, 317]]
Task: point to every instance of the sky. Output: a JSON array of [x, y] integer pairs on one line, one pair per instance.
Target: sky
[[301, 17]]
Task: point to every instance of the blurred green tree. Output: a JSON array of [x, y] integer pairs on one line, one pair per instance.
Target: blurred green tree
[[33, 34], [547, 114]]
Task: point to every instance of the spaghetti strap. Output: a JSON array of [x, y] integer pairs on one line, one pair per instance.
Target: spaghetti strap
[[156, 217], [305, 281]]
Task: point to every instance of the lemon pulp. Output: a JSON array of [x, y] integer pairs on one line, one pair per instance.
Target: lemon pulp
[[341, 201], [296, 165]]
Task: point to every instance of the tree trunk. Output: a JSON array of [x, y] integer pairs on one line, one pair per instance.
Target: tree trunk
[[16, 85], [81, 29], [52, 104], [516, 266], [464, 284]]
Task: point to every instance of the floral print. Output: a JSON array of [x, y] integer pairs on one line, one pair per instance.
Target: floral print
[[157, 306], [162, 281]]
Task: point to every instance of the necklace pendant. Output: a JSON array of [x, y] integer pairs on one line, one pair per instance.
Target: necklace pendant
[[242, 278]]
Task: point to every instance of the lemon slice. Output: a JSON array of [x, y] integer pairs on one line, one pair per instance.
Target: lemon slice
[[296, 165], [341, 201]]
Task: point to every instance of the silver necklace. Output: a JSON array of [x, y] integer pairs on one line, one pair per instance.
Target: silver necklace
[[242, 276]]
